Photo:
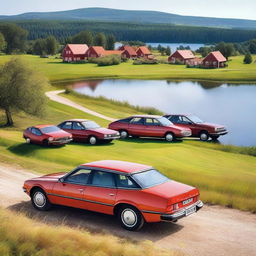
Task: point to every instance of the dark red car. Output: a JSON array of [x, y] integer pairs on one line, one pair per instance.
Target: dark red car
[[46, 135], [149, 126], [84, 130], [199, 128]]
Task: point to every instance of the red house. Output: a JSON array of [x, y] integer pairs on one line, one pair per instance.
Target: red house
[[95, 52], [184, 56], [128, 52], [214, 60], [74, 52], [143, 52]]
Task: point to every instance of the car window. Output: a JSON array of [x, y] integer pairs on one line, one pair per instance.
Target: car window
[[126, 120], [90, 125], [67, 125], [123, 181], [151, 121], [36, 131], [175, 119], [137, 120], [81, 176], [104, 179], [77, 126], [184, 120]]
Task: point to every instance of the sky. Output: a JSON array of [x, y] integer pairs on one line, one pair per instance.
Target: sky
[[243, 9]]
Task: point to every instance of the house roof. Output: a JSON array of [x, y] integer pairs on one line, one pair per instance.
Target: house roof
[[186, 54], [78, 48], [120, 166], [144, 50], [112, 52], [218, 56], [98, 49], [129, 49]]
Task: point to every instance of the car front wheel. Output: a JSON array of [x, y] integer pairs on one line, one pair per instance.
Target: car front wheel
[[28, 141], [130, 218], [204, 136], [123, 134], [92, 140], [40, 200], [169, 137]]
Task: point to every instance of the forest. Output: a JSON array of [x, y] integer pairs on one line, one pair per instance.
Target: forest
[[162, 33]]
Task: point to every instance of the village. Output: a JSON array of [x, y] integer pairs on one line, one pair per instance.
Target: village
[[81, 52]]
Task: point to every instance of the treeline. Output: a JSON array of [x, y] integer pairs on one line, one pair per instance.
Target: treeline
[[162, 33]]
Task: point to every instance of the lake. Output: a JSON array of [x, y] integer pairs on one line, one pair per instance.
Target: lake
[[231, 105], [173, 46]]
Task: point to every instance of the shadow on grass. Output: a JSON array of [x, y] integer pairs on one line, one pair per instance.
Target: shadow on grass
[[150, 140], [95, 222]]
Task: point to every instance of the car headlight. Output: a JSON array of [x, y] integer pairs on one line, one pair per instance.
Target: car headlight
[[50, 138], [117, 134]]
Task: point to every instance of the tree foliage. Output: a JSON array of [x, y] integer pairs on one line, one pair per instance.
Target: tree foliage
[[227, 49], [51, 45], [110, 42], [100, 40], [22, 89], [83, 37], [2, 42], [15, 37], [247, 58]]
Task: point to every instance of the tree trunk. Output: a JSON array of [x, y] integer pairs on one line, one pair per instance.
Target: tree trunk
[[8, 117]]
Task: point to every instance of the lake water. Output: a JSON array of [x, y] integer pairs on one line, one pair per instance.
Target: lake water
[[173, 46], [231, 105]]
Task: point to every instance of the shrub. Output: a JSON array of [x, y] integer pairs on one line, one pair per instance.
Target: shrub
[[145, 62], [109, 60], [247, 58]]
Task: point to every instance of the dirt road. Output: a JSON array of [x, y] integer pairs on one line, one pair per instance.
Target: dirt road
[[54, 95], [214, 230]]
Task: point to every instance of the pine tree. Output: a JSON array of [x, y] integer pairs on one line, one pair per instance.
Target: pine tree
[[110, 44], [100, 40]]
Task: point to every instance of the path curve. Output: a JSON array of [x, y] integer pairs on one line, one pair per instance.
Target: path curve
[[213, 231], [54, 95]]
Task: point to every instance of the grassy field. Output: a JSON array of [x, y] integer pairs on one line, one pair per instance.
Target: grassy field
[[57, 71], [223, 178], [25, 237]]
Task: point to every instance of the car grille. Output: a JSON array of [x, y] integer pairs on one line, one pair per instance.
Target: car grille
[[62, 139], [221, 129]]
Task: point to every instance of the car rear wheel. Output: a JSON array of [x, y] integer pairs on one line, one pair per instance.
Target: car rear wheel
[[40, 200], [130, 218], [92, 140], [204, 136], [123, 134], [169, 137]]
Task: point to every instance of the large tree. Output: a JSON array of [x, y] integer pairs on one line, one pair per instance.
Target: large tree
[[227, 49], [110, 42], [83, 37], [22, 89], [2, 42], [100, 40], [39, 47], [15, 37], [52, 45]]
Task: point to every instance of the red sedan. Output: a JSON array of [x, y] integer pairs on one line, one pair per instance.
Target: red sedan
[[134, 193], [46, 135], [199, 128], [149, 126], [88, 131]]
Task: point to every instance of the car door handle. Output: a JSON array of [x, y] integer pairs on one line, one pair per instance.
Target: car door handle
[[81, 189], [111, 194]]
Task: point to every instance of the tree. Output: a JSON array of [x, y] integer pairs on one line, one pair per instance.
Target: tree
[[39, 47], [247, 58], [168, 51], [83, 37], [2, 42], [252, 46], [100, 40], [110, 42], [51, 45], [22, 89], [15, 37], [227, 49]]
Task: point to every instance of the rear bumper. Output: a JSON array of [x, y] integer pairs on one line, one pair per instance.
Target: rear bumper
[[182, 213]]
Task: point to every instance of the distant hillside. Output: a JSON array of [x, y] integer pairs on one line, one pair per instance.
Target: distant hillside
[[113, 15]]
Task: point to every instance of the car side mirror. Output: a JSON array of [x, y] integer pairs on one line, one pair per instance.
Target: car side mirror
[[61, 180]]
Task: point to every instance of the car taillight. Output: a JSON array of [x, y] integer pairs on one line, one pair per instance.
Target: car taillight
[[176, 206]]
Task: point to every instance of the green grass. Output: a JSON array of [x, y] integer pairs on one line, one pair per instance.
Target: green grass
[[57, 71], [26, 237]]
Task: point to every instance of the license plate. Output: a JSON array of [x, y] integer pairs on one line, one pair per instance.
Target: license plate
[[190, 210], [187, 201]]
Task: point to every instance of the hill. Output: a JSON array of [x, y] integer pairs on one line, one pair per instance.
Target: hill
[[114, 15]]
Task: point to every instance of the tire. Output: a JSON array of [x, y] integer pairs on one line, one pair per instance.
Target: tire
[[93, 140], [124, 134], [204, 136], [169, 137], [215, 137], [45, 143], [28, 140], [130, 218], [39, 200]]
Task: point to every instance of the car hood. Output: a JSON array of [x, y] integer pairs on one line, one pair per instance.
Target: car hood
[[58, 134], [211, 125], [105, 131], [173, 191], [53, 176]]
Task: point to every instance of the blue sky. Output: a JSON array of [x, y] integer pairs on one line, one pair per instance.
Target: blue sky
[[245, 9]]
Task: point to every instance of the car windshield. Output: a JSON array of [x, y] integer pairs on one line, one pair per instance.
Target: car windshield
[[90, 125], [50, 129], [195, 119], [164, 121], [149, 178]]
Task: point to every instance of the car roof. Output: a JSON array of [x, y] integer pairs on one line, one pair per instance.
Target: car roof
[[43, 125], [178, 114], [77, 120], [120, 166], [146, 116]]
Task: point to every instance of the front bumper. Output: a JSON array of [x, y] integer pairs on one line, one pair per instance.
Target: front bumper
[[112, 138], [182, 213], [60, 142]]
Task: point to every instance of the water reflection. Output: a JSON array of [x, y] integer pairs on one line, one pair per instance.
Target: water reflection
[[231, 105]]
